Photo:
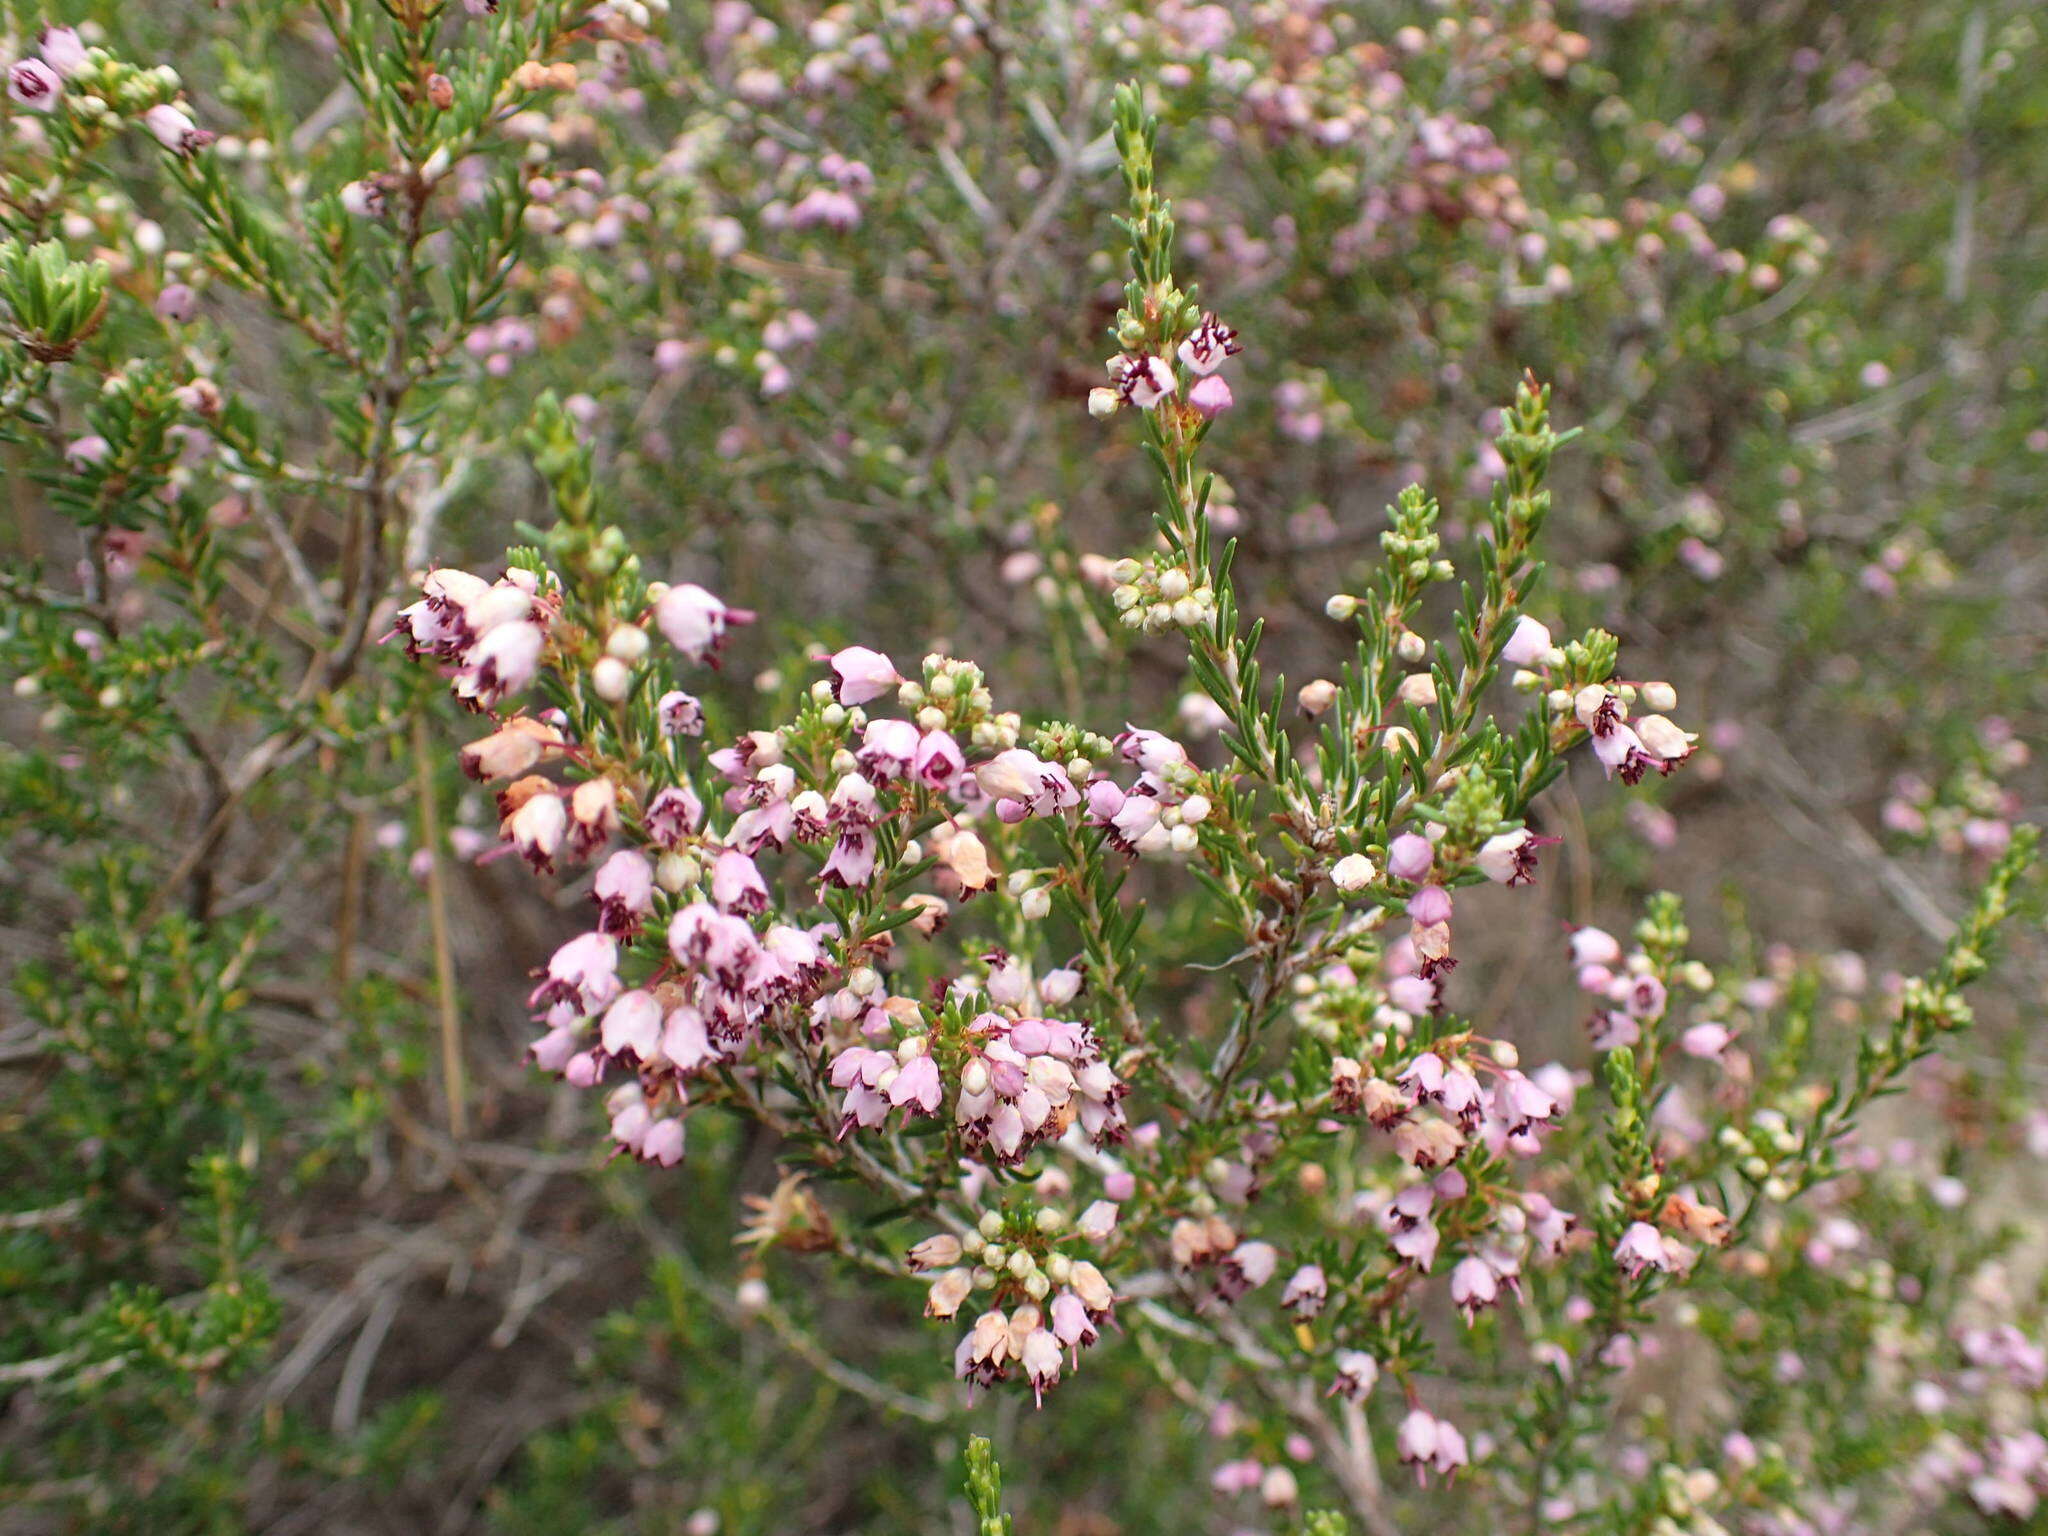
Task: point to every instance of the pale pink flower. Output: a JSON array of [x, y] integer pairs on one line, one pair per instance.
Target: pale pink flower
[[1594, 946], [1426, 1442], [1016, 774], [1357, 1372], [695, 622], [1518, 1102], [1409, 856], [859, 675], [1211, 397], [1509, 858], [1098, 1221], [852, 862], [1059, 987], [624, 889], [887, 749], [1071, 1322], [663, 1142], [1453, 1085], [680, 714], [515, 747], [177, 303], [1664, 741], [948, 1291], [1153, 752], [827, 207], [502, 663], [1643, 1247], [538, 827], [1208, 346], [593, 816], [1306, 1291], [63, 50], [633, 1025], [685, 1043], [551, 1052], [671, 815], [941, 1251], [1705, 1040], [1041, 1357], [34, 84], [583, 972], [1245, 1268], [1142, 381], [175, 131], [939, 760], [917, 1085], [1474, 1286], [1526, 644], [736, 883]]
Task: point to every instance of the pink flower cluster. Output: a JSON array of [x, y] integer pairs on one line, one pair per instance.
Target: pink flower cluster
[[491, 633], [1144, 380]]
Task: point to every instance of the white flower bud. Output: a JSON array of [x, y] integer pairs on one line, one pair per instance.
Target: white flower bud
[[1315, 698], [1417, 688], [611, 679], [1353, 872], [628, 642], [1341, 607]]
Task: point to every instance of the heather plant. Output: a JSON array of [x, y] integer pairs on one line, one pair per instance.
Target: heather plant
[[1235, 983], [905, 941]]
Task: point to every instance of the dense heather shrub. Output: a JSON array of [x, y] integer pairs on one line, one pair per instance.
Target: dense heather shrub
[[1333, 1023]]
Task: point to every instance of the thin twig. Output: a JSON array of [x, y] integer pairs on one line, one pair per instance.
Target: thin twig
[[452, 1082]]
